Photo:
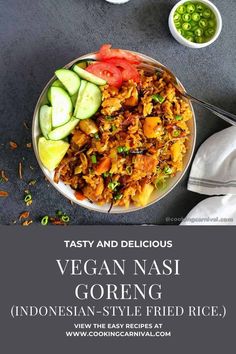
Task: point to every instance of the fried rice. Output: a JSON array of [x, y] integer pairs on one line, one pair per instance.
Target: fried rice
[[134, 144]]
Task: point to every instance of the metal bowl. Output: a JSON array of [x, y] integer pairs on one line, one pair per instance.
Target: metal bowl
[[68, 192]]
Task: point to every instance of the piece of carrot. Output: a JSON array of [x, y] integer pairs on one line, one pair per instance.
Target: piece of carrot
[[103, 165], [79, 195]]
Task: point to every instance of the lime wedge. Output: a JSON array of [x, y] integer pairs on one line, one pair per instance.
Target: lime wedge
[[51, 152]]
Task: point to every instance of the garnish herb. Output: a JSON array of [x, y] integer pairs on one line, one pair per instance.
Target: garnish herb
[[168, 170], [65, 218], [45, 220], [94, 159], [178, 117], [118, 196], [96, 136], [113, 185], [158, 98]]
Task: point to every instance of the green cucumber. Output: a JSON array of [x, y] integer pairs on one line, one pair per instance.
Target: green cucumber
[[45, 120], [74, 99], [61, 106], [64, 130], [69, 79], [88, 76], [83, 84], [88, 101], [56, 83], [84, 63]]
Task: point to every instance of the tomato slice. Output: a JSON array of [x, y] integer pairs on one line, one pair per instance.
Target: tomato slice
[[106, 52], [128, 71], [106, 71]]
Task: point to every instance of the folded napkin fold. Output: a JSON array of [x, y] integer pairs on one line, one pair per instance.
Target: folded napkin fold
[[213, 172], [213, 211], [214, 167]]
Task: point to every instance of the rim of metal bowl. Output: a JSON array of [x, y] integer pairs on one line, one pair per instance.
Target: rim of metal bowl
[[97, 208]]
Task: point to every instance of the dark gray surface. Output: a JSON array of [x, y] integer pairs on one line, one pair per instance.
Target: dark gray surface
[[39, 36]]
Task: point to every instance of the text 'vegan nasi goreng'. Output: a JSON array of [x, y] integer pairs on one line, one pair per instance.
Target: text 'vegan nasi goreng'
[[133, 144]]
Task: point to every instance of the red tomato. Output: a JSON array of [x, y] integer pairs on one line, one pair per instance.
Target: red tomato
[[128, 71], [106, 52], [106, 71]]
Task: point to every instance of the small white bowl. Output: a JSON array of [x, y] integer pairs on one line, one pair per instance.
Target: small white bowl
[[183, 40]]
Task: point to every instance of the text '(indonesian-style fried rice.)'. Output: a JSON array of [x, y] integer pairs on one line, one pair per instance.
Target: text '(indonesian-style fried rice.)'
[[133, 144]]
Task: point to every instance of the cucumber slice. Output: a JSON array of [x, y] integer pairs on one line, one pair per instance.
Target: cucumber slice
[[88, 76], [69, 79], [51, 152], [45, 120], [84, 63], [74, 99], [63, 131], [61, 106], [83, 84], [56, 83], [88, 101]]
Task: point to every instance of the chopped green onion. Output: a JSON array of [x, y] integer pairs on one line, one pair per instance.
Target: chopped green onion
[[113, 185], [94, 159], [44, 220], [160, 183], [96, 136], [65, 218], [178, 117], [106, 174], [113, 127], [175, 133], [158, 98], [109, 117], [129, 170], [120, 149], [168, 170], [118, 196], [125, 149], [27, 198]]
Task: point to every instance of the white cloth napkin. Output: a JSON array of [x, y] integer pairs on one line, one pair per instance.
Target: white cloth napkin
[[214, 167], [213, 211], [213, 172]]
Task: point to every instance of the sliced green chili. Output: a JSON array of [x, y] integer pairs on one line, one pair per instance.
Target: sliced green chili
[[158, 98], [113, 185], [44, 220], [178, 117], [65, 218], [168, 170], [94, 159]]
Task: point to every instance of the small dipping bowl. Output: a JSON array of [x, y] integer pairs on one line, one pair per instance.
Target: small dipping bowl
[[181, 39]]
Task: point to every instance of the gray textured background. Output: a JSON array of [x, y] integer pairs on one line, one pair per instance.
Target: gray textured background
[[39, 36]]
